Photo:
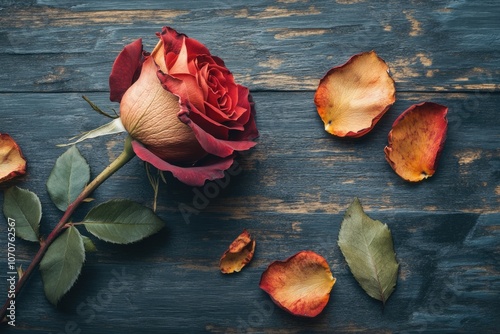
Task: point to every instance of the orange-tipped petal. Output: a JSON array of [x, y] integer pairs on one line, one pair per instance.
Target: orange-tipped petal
[[351, 98], [416, 140], [240, 252], [300, 285], [12, 162]]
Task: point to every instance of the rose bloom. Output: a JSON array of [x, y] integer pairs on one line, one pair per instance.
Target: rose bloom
[[182, 107]]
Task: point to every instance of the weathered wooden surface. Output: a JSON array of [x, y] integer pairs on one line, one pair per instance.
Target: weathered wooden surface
[[294, 186]]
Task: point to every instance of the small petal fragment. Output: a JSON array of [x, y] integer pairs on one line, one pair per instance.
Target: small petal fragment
[[300, 285], [239, 253], [416, 140], [12, 162], [351, 98]]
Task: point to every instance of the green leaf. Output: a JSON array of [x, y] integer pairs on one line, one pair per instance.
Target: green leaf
[[24, 208], [69, 176], [62, 263], [122, 221], [88, 244], [369, 252]]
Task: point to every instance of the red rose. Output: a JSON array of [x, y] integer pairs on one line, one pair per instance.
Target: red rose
[[182, 107]]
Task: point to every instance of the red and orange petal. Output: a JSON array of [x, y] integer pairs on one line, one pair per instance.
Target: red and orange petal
[[416, 140], [300, 285], [351, 98], [239, 253], [12, 162], [209, 168], [173, 42], [212, 145]]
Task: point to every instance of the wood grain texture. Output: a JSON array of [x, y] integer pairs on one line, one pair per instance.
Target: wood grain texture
[[430, 46], [295, 185]]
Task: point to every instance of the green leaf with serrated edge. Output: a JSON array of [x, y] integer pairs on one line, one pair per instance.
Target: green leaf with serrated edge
[[23, 207], [88, 244], [368, 249], [122, 221], [62, 263], [69, 176]]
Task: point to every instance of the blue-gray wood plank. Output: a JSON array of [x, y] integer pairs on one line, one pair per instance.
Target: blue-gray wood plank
[[295, 185]]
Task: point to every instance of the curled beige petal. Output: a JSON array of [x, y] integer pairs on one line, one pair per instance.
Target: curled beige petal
[[300, 285], [158, 55], [416, 140], [149, 114], [240, 253], [12, 162], [351, 98]]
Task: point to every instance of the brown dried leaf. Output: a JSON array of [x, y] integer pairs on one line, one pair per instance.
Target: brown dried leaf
[[240, 253]]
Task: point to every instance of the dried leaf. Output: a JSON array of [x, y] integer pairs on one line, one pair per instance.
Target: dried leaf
[[122, 221], [240, 253], [416, 140], [12, 162], [300, 285], [25, 209], [62, 263], [68, 178], [351, 98], [368, 249]]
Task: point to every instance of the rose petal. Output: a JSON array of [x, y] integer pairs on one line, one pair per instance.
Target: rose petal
[[218, 147], [178, 84], [300, 285], [149, 114], [12, 162], [215, 129], [240, 253], [158, 55], [193, 176], [250, 131], [416, 140], [181, 63], [126, 70], [186, 87], [179, 89], [173, 41], [244, 103], [351, 98], [211, 144]]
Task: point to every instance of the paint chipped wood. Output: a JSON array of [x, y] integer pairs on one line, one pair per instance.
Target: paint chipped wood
[[294, 186]]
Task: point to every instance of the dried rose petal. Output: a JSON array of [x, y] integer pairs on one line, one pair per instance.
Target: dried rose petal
[[300, 285], [416, 140], [12, 162], [351, 98], [239, 253]]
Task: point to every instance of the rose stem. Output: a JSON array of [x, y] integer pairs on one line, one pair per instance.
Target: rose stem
[[124, 157]]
